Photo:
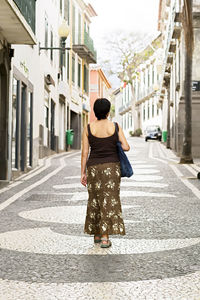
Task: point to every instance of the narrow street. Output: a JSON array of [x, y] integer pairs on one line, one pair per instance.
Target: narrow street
[[45, 255]]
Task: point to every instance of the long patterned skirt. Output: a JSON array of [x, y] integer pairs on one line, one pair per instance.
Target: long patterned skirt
[[104, 214]]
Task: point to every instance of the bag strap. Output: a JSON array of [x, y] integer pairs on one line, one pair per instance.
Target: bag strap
[[89, 131], [117, 129]]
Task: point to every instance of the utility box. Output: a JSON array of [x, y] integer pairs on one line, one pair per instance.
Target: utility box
[[70, 137], [164, 136]]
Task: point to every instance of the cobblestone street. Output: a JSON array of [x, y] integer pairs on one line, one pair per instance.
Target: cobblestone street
[[45, 255]]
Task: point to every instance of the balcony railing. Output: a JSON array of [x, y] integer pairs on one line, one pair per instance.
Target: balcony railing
[[89, 43], [125, 107], [86, 49], [27, 9], [145, 93]]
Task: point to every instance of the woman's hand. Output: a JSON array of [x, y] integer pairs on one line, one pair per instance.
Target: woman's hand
[[84, 179]]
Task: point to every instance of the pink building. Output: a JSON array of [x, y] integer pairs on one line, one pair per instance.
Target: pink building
[[99, 88]]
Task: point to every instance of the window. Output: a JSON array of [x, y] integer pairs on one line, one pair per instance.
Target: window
[[152, 109], [15, 123], [29, 128], [73, 68], [131, 120], [86, 81], [153, 74], [67, 11], [67, 65], [79, 28], [51, 53], [73, 24], [46, 116], [46, 32], [128, 100], [148, 111], [79, 74], [144, 113], [158, 77], [62, 59], [148, 74], [127, 117], [61, 6]]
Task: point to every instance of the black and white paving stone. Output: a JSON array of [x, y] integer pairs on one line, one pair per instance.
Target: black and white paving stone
[[44, 253]]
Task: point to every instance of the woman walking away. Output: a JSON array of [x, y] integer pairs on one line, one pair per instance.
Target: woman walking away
[[104, 214]]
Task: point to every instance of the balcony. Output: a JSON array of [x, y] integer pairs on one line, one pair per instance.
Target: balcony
[[172, 47], [125, 108], [176, 32], [145, 94], [17, 21], [86, 51]]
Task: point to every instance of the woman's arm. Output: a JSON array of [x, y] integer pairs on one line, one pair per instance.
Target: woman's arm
[[122, 139], [84, 156]]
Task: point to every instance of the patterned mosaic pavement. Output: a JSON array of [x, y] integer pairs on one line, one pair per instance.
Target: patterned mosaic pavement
[[45, 255]]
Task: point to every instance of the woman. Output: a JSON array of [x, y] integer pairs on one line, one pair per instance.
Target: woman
[[103, 177]]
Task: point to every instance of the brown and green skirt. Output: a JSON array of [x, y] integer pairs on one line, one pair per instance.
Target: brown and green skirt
[[104, 213]]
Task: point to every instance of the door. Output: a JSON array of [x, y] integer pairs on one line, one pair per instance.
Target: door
[[29, 138], [61, 125], [15, 123], [23, 128], [52, 125]]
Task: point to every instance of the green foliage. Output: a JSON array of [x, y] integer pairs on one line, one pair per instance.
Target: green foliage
[[137, 132], [112, 111]]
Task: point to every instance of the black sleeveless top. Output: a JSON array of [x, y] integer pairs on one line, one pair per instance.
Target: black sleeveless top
[[102, 149]]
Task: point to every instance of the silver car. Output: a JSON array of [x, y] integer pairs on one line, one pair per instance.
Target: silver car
[[153, 132]]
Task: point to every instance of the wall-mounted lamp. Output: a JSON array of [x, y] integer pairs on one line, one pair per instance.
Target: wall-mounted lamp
[[63, 32]]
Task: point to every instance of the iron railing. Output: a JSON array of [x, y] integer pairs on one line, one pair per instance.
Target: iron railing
[[27, 9], [89, 43]]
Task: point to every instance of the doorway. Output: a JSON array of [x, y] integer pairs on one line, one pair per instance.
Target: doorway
[[23, 127], [3, 122], [52, 125]]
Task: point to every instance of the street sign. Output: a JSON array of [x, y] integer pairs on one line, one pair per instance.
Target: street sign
[[195, 86]]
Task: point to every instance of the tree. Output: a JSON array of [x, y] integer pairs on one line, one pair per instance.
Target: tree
[[128, 52], [187, 20]]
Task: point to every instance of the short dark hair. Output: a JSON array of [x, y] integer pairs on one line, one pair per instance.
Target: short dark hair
[[101, 108]]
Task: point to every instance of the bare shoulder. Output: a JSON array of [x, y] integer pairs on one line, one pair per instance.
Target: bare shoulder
[[85, 130]]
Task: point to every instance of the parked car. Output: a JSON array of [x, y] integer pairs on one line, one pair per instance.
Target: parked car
[[153, 132]]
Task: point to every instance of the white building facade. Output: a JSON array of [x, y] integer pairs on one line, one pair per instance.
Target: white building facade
[[17, 23], [125, 109], [50, 88], [172, 75], [148, 104]]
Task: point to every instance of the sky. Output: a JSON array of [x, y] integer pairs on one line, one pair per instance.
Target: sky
[[127, 15]]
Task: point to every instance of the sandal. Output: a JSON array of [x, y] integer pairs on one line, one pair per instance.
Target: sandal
[[98, 238], [105, 245]]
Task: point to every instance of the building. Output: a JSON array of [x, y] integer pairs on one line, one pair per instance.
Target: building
[[172, 75], [143, 91], [17, 23], [49, 90], [117, 102], [126, 109], [99, 88], [149, 108]]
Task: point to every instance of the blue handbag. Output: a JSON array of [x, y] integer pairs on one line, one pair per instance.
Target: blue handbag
[[126, 168]]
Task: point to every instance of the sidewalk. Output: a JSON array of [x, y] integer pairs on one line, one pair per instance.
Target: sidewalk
[[45, 254]]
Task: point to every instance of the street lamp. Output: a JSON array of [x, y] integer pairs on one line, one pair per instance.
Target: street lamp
[[63, 32]]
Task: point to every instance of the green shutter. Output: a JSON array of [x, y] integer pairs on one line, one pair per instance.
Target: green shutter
[[67, 65], [73, 24], [86, 79], [79, 74], [79, 29], [73, 68]]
